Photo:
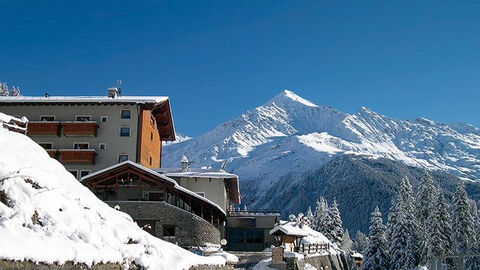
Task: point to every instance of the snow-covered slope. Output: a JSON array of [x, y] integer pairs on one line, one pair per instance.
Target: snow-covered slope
[[291, 135], [47, 216]]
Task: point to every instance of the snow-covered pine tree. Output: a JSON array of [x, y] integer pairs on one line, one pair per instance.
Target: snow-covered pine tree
[[309, 216], [473, 263], [361, 242], [462, 221], [425, 205], [336, 227], [435, 245], [403, 227], [3, 89], [322, 218], [376, 256], [347, 242], [444, 221]]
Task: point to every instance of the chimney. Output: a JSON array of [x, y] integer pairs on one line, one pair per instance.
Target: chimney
[[184, 162], [113, 92]]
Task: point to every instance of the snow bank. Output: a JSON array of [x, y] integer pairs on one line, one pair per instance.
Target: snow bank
[[47, 216]]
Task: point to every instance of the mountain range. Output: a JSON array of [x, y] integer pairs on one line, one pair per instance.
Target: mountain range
[[287, 141]]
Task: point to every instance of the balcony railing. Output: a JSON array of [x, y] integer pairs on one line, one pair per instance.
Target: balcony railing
[[43, 128], [78, 128], [77, 156]]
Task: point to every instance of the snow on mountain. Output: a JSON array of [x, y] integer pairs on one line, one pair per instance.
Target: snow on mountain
[[178, 139], [47, 216], [291, 135]]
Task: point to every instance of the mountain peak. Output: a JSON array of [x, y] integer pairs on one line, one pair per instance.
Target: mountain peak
[[287, 97]]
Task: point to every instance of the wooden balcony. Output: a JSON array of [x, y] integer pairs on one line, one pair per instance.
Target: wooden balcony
[[48, 128], [53, 153], [80, 129], [80, 156]]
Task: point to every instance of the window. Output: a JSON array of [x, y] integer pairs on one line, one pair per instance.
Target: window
[[74, 173], [47, 117], [80, 145], [168, 231], [124, 132], [46, 145], [122, 158], [151, 136], [84, 173], [104, 119], [102, 146], [126, 114], [150, 161], [83, 118]]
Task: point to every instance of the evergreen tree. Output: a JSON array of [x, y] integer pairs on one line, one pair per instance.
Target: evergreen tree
[[463, 234], [335, 226], [444, 222], [318, 216], [473, 263], [376, 256], [425, 205], [309, 216], [347, 242], [361, 242], [404, 236]]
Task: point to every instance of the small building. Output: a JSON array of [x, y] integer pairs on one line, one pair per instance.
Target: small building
[[159, 204], [296, 236], [249, 230], [89, 133], [216, 185]]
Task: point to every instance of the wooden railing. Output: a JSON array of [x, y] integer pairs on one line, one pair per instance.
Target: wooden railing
[[78, 128], [311, 248], [44, 128], [74, 156]]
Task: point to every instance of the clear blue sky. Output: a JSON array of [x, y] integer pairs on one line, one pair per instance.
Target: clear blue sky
[[216, 59]]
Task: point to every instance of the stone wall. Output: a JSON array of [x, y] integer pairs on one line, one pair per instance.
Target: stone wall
[[190, 229], [327, 262]]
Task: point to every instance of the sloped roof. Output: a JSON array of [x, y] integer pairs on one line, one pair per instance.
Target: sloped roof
[[231, 180], [96, 176]]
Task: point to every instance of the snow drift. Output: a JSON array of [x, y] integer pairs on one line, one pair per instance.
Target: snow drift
[[47, 216]]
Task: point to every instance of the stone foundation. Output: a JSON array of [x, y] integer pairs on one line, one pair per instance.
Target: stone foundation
[[190, 229]]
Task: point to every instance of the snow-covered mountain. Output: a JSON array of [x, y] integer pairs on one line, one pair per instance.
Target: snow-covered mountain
[[290, 135]]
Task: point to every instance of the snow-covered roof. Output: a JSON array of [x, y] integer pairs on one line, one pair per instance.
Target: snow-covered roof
[[231, 180], [83, 99], [164, 177], [293, 228], [195, 173]]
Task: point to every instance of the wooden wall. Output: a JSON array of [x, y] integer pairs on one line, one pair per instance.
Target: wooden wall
[[150, 145]]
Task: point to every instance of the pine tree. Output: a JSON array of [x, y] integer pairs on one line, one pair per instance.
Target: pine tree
[[404, 242], [464, 234], [473, 263], [425, 205], [309, 216], [361, 242], [322, 218], [376, 256], [335, 227], [444, 220], [347, 242]]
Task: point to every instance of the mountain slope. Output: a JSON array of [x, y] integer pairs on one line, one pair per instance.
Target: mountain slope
[[291, 136]]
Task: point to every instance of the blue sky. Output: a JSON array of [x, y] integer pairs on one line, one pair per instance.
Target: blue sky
[[216, 59]]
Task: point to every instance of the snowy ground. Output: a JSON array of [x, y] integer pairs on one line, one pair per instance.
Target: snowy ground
[[47, 216]]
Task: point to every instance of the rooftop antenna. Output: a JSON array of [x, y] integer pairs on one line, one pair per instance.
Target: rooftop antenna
[[224, 164], [119, 86]]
